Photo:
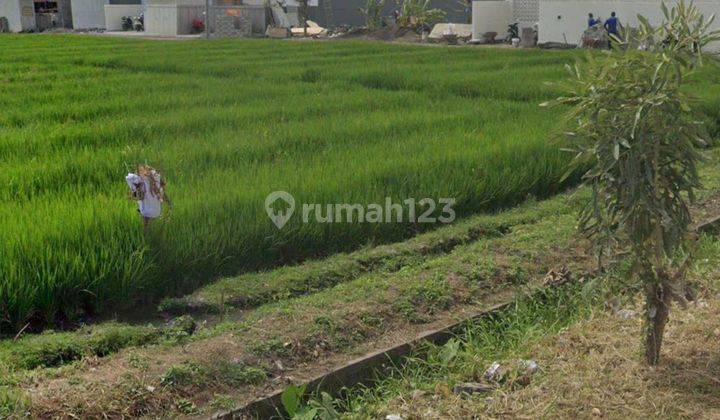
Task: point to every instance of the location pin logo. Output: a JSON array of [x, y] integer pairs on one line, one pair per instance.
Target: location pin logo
[[280, 206]]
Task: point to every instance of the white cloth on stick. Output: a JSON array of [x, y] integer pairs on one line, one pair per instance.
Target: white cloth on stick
[[151, 205]]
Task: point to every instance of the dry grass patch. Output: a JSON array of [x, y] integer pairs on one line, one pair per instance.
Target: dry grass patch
[[595, 369]]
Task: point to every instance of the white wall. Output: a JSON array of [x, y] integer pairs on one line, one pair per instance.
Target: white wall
[[491, 16], [10, 9], [19, 13], [526, 12], [172, 17], [569, 17], [115, 12], [88, 14], [161, 20], [27, 14]]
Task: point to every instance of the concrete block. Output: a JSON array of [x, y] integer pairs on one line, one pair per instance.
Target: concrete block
[[277, 32], [462, 30]]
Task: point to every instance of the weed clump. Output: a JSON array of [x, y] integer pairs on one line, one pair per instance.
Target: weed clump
[[187, 375], [425, 299], [55, 349]]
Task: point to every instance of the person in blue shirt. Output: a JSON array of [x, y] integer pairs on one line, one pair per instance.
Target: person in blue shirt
[[611, 25], [592, 21]]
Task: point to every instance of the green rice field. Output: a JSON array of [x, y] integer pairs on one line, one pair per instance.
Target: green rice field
[[228, 122]]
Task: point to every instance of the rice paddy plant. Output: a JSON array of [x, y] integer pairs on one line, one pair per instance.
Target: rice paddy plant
[[229, 122]]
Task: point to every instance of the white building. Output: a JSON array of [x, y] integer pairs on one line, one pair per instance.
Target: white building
[[525, 12], [497, 15], [88, 14], [38, 15], [19, 13], [116, 10], [565, 20], [172, 17], [34, 15]]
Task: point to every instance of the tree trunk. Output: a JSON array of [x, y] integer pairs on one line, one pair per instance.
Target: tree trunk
[[657, 309], [304, 12]]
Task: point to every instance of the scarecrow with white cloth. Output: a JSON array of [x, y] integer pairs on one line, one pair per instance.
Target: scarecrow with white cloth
[[148, 188]]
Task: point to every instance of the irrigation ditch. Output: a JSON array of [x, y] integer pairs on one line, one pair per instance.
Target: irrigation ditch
[[363, 370]]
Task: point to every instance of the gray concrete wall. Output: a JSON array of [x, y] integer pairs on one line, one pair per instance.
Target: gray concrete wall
[[346, 11], [115, 12], [171, 17], [10, 9], [161, 19], [88, 14], [65, 13], [27, 15], [19, 13]]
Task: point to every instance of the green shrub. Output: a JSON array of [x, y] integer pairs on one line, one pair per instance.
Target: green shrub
[[238, 374], [52, 349], [185, 375]]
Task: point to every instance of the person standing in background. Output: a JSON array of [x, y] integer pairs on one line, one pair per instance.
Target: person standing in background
[[592, 21], [612, 26]]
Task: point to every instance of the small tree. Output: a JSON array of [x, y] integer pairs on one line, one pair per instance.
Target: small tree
[[636, 131], [373, 13], [417, 13], [304, 12]]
